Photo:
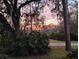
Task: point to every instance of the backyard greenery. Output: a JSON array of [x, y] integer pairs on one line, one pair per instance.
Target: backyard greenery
[[54, 53], [61, 36], [24, 43], [38, 29]]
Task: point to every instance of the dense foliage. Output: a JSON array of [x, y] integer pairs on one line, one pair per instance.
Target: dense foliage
[[57, 36], [73, 54], [24, 43], [61, 36]]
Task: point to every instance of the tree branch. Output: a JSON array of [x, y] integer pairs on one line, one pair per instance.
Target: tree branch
[[6, 3], [2, 11], [27, 2], [11, 2], [7, 6], [15, 3]]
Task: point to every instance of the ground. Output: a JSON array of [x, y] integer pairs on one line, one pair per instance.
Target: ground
[[61, 43], [56, 52]]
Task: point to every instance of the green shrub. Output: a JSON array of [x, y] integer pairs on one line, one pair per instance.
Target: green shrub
[[6, 39], [38, 42], [57, 36], [24, 43], [19, 45], [73, 54], [74, 37], [61, 36]]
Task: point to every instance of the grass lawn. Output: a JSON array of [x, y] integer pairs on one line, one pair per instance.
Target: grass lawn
[[55, 53], [55, 41]]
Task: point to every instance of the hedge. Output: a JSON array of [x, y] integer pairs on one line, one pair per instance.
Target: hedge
[[61, 36], [24, 43]]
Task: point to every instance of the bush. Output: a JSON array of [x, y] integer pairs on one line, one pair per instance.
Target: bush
[[57, 36], [73, 54], [6, 39], [74, 37], [61, 36], [38, 42], [24, 43]]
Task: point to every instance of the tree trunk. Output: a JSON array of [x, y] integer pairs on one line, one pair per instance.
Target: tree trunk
[[31, 17], [15, 19], [66, 25], [16, 15], [13, 12], [5, 23]]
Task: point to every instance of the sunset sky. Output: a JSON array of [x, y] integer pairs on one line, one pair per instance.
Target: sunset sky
[[49, 17]]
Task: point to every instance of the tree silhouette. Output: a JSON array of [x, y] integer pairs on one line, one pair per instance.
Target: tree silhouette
[[66, 25], [14, 11]]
